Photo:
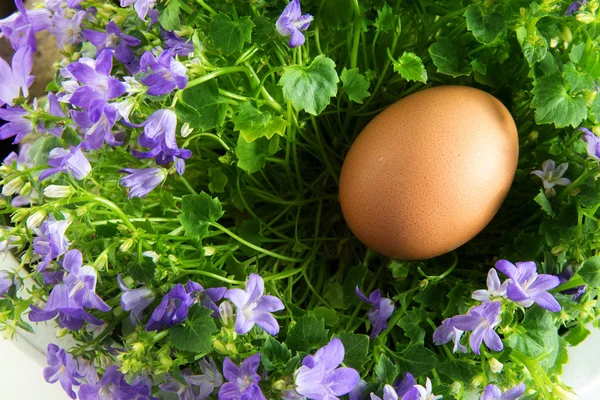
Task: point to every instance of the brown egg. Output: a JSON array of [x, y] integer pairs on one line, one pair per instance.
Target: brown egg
[[430, 172]]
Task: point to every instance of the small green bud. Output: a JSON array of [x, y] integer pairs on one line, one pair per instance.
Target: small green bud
[[126, 245], [567, 35], [231, 349], [36, 219], [495, 365], [20, 215], [455, 387], [186, 130], [585, 17], [102, 261], [209, 251], [26, 190], [226, 313], [219, 346], [279, 385], [12, 187], [58, 191], [424, 283], [477, 381]]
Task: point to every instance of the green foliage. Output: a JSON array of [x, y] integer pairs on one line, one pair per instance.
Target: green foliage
[[195, 334], [554, 105], [308, 334], [356, 350], [539, 339], [198, 212], [229, 35], [487, 27], [355, 85], [386, 371], [253, 123], [202, 106], [252, 157], [410, 67], [590, 271], [448, 57]]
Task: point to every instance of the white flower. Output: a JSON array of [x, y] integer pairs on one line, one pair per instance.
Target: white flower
[[552, 176], [12, 187], [186, 130], [58, 191], [495, 288], [425, 392]]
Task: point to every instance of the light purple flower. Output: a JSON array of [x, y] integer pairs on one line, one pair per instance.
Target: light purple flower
[[67, 30], [494, 288], [292, 22], [552, 176], [166, 73], [19, 125], [206, 297], [196, 387], [142, 388], [51, 241], [254, 308], [527, 287], [62, 368], [140, 182], [426, 392], [481, 320], [16, 78], [135, 300], [20, 28], [81, 281], [242, 381], [564, 277], [389, 393], [72, 160], [575, 6], [112, 386], [406, 388], [356, 393], [447, 332], [5, 282], [53, 108], [97, 126], [113, 38], [380, 313], [179, 45], [319, 376], [593, 144], [184, 390], [493, 392], [172, 310], [141, 7]]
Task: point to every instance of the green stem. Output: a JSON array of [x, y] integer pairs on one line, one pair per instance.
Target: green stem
[[576, 183], [356, 32], [323, 152], [219, 72], [108, 204], [188, 186], [206, 7], [211, 275]]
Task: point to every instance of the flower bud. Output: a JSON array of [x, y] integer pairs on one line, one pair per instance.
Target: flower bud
[[226, 313], [81, 211], [423, 284], [219, 346], [20, 215], [152, 254], [279, 385], [477, 381], [58, 191], [102, 261], [231, 349], [585, 17], [209, 251], [455, 387], [12, 187], [567, 35], [26, 190], [36, 219], [553, 42], [138, 348], [186, 130], [495, 365], [126, 245]]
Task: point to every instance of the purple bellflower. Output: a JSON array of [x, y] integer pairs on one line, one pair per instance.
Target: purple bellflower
[[51, 241], [254, 308], [319, 376], [206, 297], [493, 392], [177, 44], [564, 276], [593, 144], [357, 392], [552, 176], [292, 22], [135, 300], [481, 320], [406, 388], [425, 392], [389, 393], [140, 182], [447, 332], [16, 78], [381, 311], [142, 7], [67, 30], [97, 125], [494, 288], [53, 108], [184, 390], [72, 160], [172, 310], [20, 28], [166, 73], [112, 386], [195, 387], [62, 368], [81, 281], [574, 7], [142, 388], [242, 381], [527, 287], [113, 38], [19, 125], [5, 282]]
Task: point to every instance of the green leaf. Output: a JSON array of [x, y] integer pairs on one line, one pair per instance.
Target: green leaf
[[252, 157], [253, 123], [410, 67], [386, 19], [456, 300], [540, 338], [577, 81], [528, 245], [417, 359], [448, 57], [218, 180], [553, 104], [386, 371], [143, 272], [41, 148], [169, 17], [230, 35], [274, 354], [329, 315], [334, 294], [561, 358], [577, 334], [354, 278], [355, 85], [308, 334], [195, 334], [411, 324], [336, 13], [309, 88], [534, 46], [590, 271], [478, 66], [198, 212], [486, 27], [249, 230], [458, 370], [576, 52], [356, 350], [202, 106], [543, 201]]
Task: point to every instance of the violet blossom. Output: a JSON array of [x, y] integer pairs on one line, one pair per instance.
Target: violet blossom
[[593, 144], [564, 277], [67, 30], [195, 387], [16, 78], [425, 392], [389, 393], [357, 392], [254, 308], [493, 392], [527, 287], [242, 381], [179, 45], [135, 300], [62, 368], [206, 297], [320, 377], [141, 7], [5, 282], [113, 38], [97, 126], [172, 310], [54, 108], [292, 22], [20, 28], [551, 176], [72, 160], [481, 320], [406, 388], [19, 125], [166, 73], [381, 311], [140, 182], [184, 390], [112, 386], [447, 332], [81, 281], [51, 241], [494, 288], [574, 7]]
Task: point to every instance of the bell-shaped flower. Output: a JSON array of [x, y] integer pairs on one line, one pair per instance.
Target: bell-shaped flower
[[481, 320], [206, 297], [62, 368], [593, 144], [172, 310], [20, 27], [389, 393], [16, 79], [51, 241], [72, 160], [135, 300], [140, 182], [81, 281], [6, 281], [381, 311], [551, 176], [112, 38], [292, 22], [242, 381], [142, 7], [19, 125], [112, 386], [165, 73], [493, 392], [447, 332]]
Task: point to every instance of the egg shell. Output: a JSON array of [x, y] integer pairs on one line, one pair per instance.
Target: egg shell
[[430, 172]]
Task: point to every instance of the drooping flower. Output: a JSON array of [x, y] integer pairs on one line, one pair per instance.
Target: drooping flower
[[16, 79], [67, 30], [166, 73], [447, 332], [425, 392], [112, 386], [254, 308], [494, 288], [72, 160], [140, 182], [141, 6], [319, 376], [97, 126], [382, 310], [20, 28], [113, 38], [135, 300], [206, 297], [81, 281], [62, 368], [593, 144], [242, 381], [493, 392], [389, 393], [481, 320], [292, 22], [19, 125], [552, 176], [5, 282], [172, 310], [527, 287], [210, 379], [51, 241], [407, 389], [564, 276], [574, 7]]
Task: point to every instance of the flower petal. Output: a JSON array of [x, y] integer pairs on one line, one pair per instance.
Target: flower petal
[[507, 268], [331, 355], [343, 381], [547, 301]]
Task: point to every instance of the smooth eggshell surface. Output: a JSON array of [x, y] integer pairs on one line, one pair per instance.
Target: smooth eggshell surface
[[430, 172]]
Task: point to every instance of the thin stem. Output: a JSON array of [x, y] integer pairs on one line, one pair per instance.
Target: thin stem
[[219, 72], [211, 275], [206, 7], [107, 203], [188, 186]]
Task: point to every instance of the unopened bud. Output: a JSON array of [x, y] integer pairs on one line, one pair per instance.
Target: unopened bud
[[231, 349], [58, 191], [553, 42], [12, 187], [477, 381], [26, 190], [36, 219], [567, 35], [152, 254], [455, 387], [81, 211], [423, 284], [126, 245], [209, 251], [585, 17], [226, 313], [495, 365], [219, 346], [20, 215], [138, 348], [279, 385], [186, 130], [102, 261]]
